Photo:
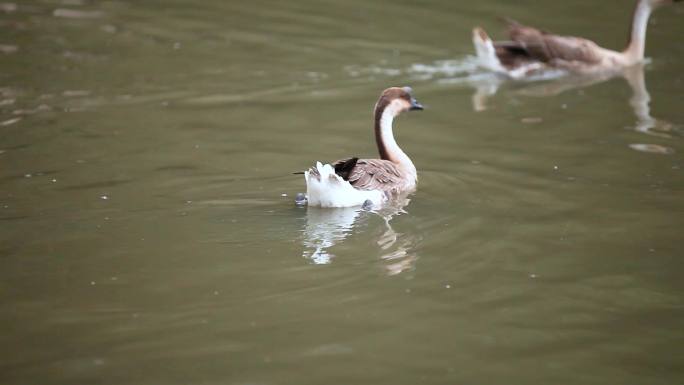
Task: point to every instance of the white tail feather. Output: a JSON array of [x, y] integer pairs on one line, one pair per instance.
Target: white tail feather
[[486, 53], [328, 189]]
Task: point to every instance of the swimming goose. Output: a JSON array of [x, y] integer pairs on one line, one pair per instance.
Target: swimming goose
[[353, 181], [531, 50]]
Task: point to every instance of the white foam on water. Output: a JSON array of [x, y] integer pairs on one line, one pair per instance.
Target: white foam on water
[[466, 70], [468, 65]]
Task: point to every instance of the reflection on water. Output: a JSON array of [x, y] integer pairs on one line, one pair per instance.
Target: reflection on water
[[324, 229], [397, 249], [556, 83], [639, 101], [327, 227]]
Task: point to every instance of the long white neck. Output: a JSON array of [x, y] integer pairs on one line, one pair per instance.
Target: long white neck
[[637, 42], [387, 146]]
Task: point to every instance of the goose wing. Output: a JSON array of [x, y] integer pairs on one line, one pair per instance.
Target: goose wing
[[369, 174], [546, 47]]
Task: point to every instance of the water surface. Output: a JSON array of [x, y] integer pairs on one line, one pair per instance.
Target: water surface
[[148, 233]]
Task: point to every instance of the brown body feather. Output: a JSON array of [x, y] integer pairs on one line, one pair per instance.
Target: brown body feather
[[530, 44], [369, 174]]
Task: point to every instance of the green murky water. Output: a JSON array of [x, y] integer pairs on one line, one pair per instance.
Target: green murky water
[[145, 148]]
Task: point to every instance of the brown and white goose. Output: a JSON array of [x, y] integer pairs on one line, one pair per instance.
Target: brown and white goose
[[353, 181], [531, 50]]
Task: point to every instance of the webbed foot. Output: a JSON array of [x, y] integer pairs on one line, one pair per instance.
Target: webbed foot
[[367, 205], [300, 199]]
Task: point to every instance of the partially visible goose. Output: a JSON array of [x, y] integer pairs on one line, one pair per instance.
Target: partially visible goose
[[353, 181], [530, 50]]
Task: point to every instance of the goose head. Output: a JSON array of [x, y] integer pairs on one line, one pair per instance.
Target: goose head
[[397, 100]]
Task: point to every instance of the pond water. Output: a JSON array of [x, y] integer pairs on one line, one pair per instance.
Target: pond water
[[148, 233]]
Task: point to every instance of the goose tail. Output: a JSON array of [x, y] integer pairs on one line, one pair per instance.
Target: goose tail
[[486, 53], [324, 188]]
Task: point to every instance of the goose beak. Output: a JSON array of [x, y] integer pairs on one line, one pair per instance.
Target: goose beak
[[415, 105]]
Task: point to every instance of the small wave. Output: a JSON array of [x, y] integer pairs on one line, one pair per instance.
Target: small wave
[[77, 14], [468, 65], [652, 148], [466, 70], [8, 48], [440, 68], [357, 71]]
